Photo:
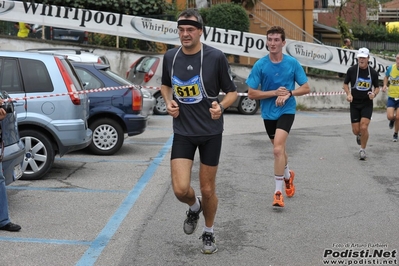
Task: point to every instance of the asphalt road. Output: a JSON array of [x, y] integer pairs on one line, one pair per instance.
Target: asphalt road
[[120, 210]]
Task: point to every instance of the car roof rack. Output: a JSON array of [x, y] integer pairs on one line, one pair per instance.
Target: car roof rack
[[77, 50]]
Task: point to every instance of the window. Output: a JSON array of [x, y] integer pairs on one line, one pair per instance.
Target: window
[[145, 64], [10, 79], [35, 76], [89, 79]]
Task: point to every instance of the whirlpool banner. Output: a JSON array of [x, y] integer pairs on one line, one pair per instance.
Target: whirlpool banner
[[229, 41]]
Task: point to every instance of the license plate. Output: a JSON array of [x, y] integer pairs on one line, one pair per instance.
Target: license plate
[[17, 172], [63, 37]]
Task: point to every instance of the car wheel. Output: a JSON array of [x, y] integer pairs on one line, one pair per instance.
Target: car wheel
[[39, 154], [248, 106], [160, 106], [107, 137]]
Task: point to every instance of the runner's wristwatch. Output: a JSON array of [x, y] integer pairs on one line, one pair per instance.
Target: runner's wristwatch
[[221, 108]]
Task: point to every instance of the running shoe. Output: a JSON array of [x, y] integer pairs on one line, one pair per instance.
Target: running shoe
[[395, 137], [391, 123], [278, 200], [191, 222], [358, 139], [362, 155], [208, 243], [289, 185]]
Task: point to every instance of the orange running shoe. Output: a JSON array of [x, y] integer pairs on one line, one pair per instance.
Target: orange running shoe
[[289, 185], [278, 200]]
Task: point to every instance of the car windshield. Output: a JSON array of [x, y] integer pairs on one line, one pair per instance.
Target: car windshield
[[145, 64]]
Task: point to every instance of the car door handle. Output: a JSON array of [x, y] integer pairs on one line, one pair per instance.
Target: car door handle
[[20, 103]]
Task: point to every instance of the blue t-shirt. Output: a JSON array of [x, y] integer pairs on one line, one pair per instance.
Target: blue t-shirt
[[271, 76]]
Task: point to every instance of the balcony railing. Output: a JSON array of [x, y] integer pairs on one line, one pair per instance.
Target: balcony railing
[[267, 17]]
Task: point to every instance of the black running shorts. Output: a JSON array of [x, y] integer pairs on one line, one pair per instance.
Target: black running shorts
[[359, 110], [209, 148], [284, 122]]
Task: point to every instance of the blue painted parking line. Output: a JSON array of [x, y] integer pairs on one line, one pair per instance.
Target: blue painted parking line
[[46, 241], [85, 160], [103, 238]]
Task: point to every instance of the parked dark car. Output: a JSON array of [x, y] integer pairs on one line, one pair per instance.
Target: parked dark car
[[114, 112], [12, 151], [147, 71], [59, 34]]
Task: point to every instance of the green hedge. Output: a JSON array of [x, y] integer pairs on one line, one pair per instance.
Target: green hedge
[[128, 7]]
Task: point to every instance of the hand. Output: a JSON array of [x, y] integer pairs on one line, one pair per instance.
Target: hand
[[372, 95], [173, 108], [215, 110], [282, 91], [349, 98], [280, 101], [384, 88], [3, 112]]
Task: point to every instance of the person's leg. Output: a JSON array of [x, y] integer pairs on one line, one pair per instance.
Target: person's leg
[[355, 117], [4, 218], [208, 192], [356, 128], [280, 161], [271, 129], [396, 125], [181, 180], [207, 177], [364, 132], [5, 223], [209, 149], [182, 156], [280, 156], [391, 111], [366, 113]]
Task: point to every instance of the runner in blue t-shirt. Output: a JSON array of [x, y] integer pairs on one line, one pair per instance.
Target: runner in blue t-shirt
[[275, 76]]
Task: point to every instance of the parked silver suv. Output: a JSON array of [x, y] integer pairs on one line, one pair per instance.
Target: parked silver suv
[[52, 111]]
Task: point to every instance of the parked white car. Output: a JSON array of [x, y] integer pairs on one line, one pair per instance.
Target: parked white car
[[79, 55]]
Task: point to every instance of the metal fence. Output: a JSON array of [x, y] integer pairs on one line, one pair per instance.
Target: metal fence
[[372, 46]]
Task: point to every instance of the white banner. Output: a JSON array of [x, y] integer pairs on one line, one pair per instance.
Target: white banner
[[229, 41]]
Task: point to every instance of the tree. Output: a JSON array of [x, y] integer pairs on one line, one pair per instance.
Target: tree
[[226, 16], [352, 12]]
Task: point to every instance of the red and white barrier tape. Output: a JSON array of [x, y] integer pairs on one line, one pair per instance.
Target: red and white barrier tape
[[71, 93], [147, 87], [246, 94], [309, 94]]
